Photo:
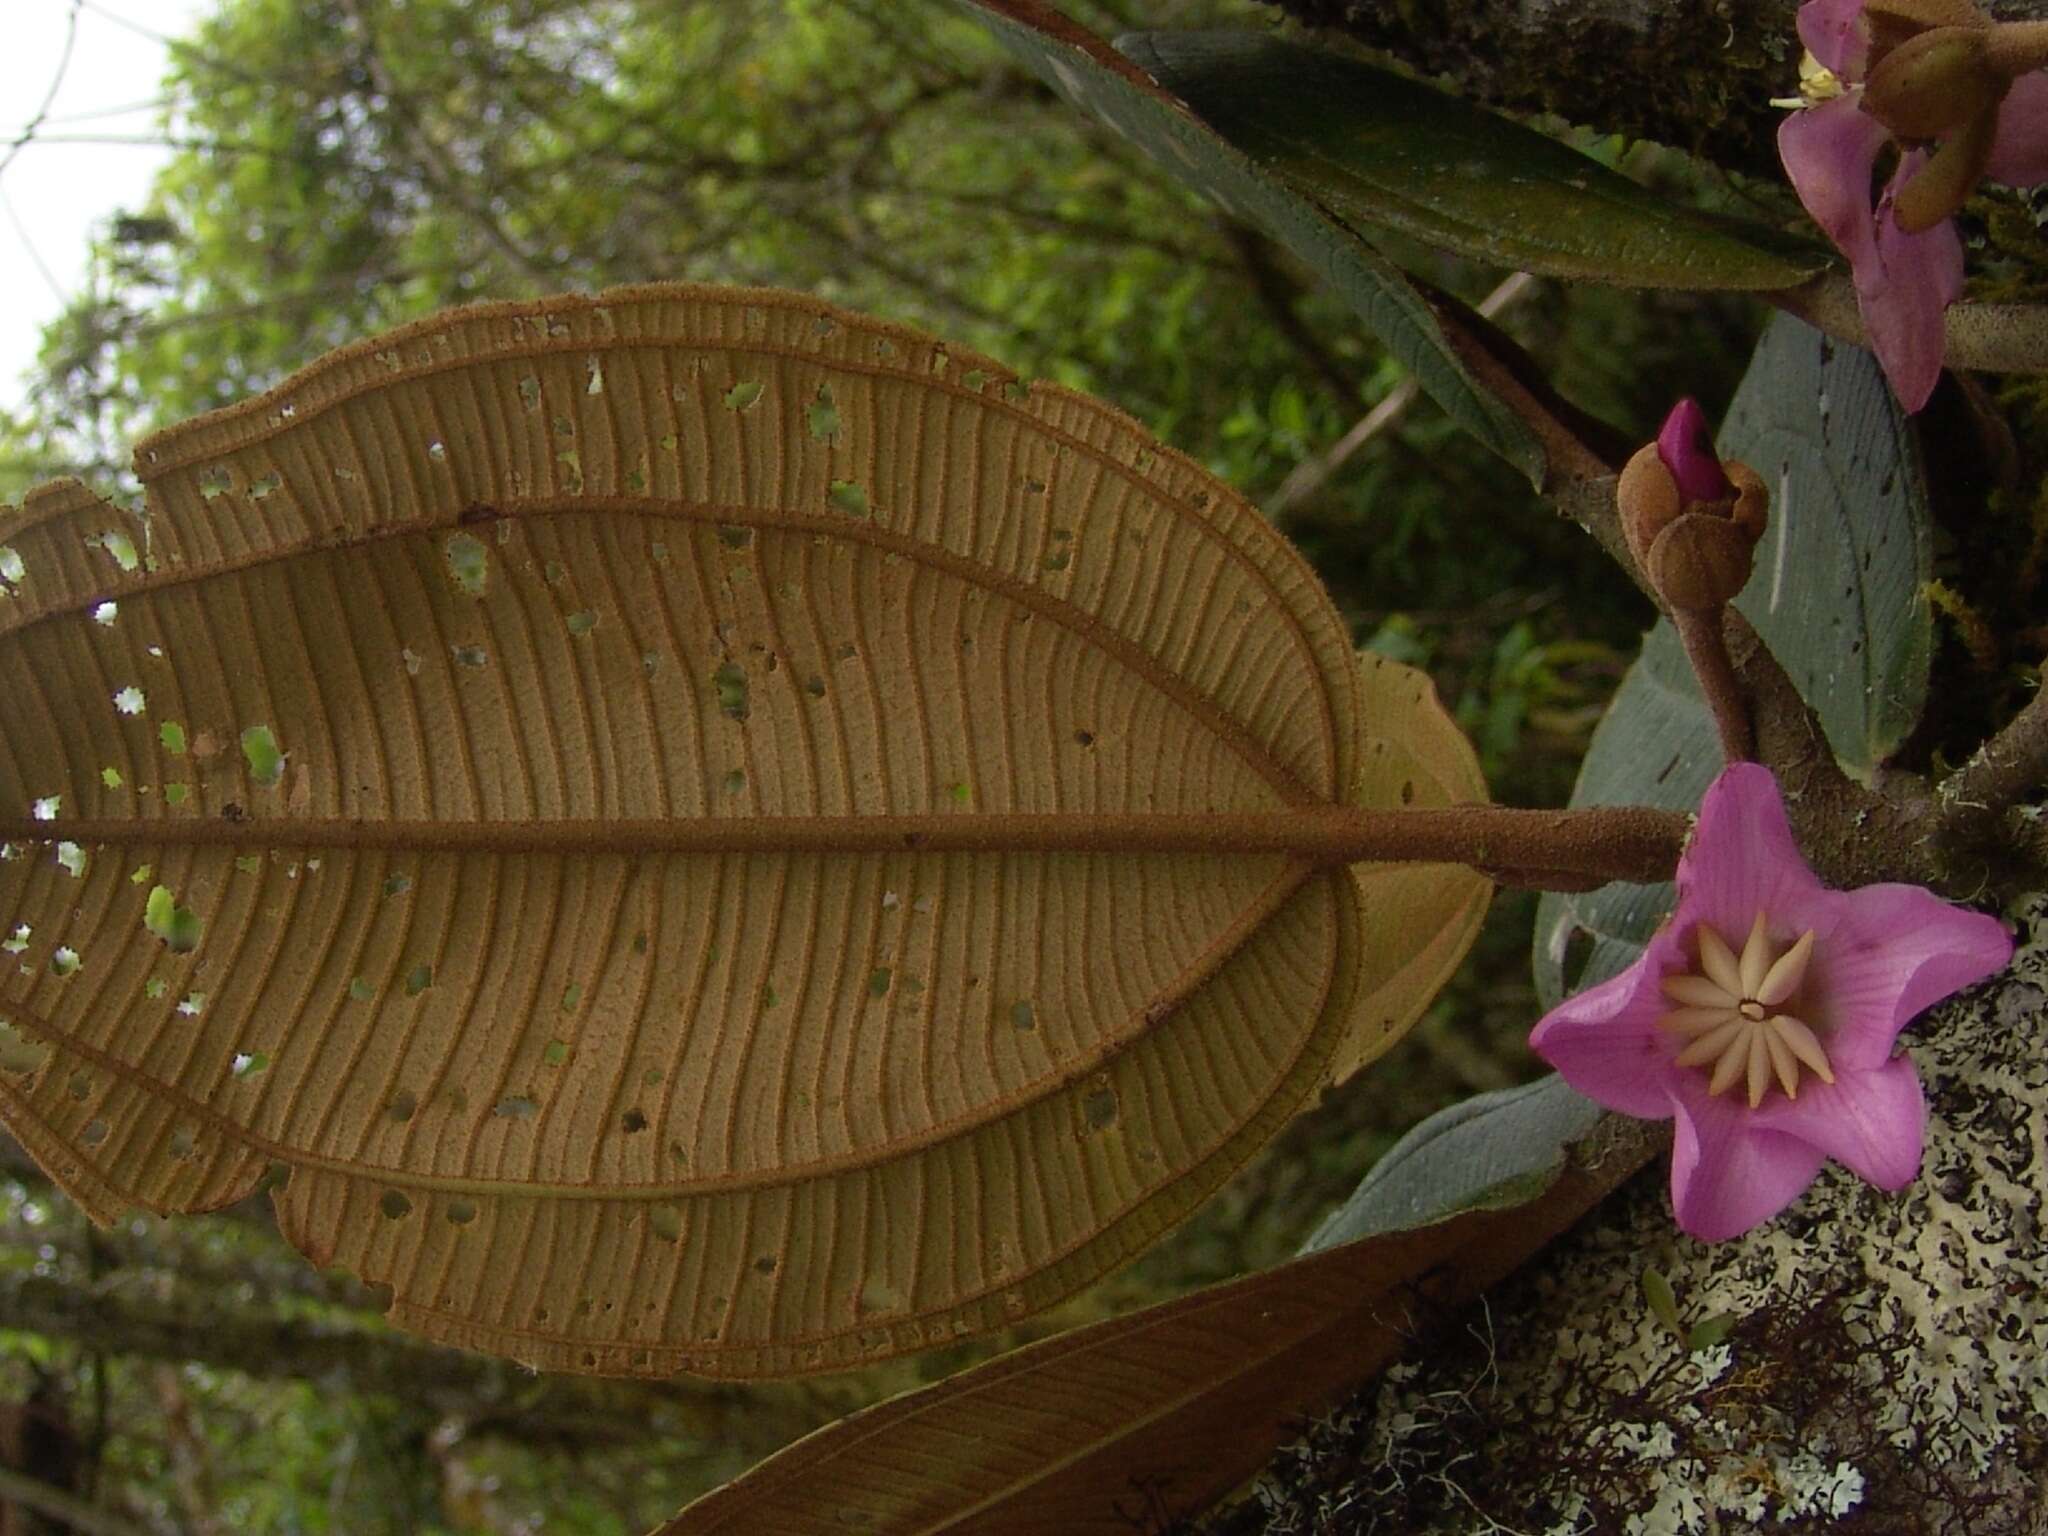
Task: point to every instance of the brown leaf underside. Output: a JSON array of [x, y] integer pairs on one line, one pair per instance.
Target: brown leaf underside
[[517, 585]]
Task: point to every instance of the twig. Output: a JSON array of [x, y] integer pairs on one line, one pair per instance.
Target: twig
[[2009, 768], [1276, 292], [32, 1493], [41, 114], [1310, 476], [1993, 338]]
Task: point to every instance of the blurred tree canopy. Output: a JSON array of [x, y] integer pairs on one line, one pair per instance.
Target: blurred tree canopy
[[346, 165]]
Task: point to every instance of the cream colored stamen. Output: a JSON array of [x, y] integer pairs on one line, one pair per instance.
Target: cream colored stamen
[[1733, 1014], [1817, 83]]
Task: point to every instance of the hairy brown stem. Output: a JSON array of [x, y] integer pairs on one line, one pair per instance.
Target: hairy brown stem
[[1699, 630], [2009, 768], [2016, 48], [1569, 847], [1981, 828], [1985, 337]]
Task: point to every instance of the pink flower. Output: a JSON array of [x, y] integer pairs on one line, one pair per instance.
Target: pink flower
[[1762, 1016], [1967, 89]]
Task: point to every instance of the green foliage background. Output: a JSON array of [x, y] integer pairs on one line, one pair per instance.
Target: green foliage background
[[345, 165]]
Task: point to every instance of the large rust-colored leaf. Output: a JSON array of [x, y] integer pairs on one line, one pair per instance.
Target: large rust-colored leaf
[[680, 828], [1130, 1423]]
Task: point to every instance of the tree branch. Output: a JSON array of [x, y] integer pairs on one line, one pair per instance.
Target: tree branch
[[446, 178], [492, 1397], [1716, 63], [1311, 475], [1277, 292], [88, 1519], [1982, 825]]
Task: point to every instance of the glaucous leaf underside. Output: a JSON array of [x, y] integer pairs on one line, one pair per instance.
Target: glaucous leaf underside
[[618, 810]]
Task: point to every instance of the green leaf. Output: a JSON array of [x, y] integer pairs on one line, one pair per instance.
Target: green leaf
[[177, 926], [1375, 149], [1837, 595], [1084, 70], [1662, 1299], [261, 752], [1707, 1334], [1655, 746], [1489, 1152], [1839, 592]]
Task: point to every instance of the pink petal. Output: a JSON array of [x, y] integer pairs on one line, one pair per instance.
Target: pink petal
[[2019, 152], [1605, 1041], [1727, 1172], [1829, 151], [1831, 32], [1742, 860], [1894, 950], [1873, 1123], [1901, 295], [1686, 445]]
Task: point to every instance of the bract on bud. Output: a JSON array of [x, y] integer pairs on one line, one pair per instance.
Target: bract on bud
[[1940, 187], [1696, 550], [1934, 83], [1905, 17]]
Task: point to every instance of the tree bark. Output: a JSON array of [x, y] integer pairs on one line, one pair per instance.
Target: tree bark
[[1696, 74], [130, 1314], [78, 1515]]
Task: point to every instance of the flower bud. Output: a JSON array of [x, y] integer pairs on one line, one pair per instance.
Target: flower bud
[[1891, 22], [1934, 83], [1686, 445], [1941, 186], [1691, 521]]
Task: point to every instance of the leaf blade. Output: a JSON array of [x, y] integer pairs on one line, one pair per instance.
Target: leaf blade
[[1378, 149], [1102, 82], [1815, 418], [519, 929]]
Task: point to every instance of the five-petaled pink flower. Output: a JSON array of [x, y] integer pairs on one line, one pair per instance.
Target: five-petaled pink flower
[[1881, 72], [1762, 1016]]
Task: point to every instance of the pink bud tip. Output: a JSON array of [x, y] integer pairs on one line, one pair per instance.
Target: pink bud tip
[[1686, 446]]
